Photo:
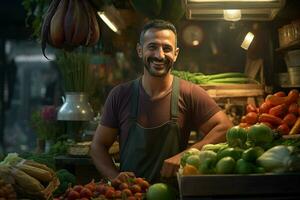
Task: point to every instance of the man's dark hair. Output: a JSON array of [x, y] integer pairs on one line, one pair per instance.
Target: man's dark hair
[[160, 25]]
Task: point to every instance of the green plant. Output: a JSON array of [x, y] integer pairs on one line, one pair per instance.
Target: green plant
[[35, 10], [45, 125], [76, 71]]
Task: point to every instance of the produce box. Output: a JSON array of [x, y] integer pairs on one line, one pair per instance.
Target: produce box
[[237, 186], [234, 90]]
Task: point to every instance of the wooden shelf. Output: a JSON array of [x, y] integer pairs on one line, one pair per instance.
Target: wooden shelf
[[291, 46], [290, 86], [234, 90]]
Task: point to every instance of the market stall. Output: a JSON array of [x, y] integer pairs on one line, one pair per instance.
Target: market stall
[[255, 83]]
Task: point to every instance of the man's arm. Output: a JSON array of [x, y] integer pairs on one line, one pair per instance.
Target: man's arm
[[103, 138], [215, 128]]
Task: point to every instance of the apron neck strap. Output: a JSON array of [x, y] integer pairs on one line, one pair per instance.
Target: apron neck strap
[[174, 98], [134, 99]]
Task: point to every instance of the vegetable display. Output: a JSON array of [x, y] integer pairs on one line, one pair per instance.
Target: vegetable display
[[132, 188], [222, 78], [278, 111], [255, 149], [29, 178]]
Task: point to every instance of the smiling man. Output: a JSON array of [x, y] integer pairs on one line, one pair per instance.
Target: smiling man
[[153, 115]]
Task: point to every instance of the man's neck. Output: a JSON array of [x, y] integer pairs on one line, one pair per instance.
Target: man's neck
[[156, 86]]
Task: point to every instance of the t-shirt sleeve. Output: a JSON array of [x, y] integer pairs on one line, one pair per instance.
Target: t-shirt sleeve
[[109, 116], [204, 107]]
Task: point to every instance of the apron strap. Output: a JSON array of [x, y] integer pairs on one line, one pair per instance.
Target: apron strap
[[174, 99]]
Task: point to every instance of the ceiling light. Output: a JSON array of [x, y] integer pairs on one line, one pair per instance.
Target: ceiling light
[[257, 10], [247, 40], [108, 22], [232, 15]]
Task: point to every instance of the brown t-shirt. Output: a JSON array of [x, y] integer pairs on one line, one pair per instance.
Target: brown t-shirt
[[195, 108]]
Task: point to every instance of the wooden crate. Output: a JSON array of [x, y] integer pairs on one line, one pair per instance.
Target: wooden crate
[[238, 94], [234, 90], [234, 185]]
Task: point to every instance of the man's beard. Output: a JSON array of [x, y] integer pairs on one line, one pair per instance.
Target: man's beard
[[168, 64]]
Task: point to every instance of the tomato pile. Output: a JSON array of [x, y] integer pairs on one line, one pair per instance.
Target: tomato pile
[[132, 189], [279, 111]]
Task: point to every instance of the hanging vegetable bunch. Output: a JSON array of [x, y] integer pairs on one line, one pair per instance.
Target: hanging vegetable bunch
[[68, 24]]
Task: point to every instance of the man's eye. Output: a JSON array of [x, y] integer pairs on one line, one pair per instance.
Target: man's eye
[[167, 49], [151, 47]]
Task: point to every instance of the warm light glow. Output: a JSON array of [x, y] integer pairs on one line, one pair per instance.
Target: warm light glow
[[196, 42], [247, 40], [232, 15], [107, 21]]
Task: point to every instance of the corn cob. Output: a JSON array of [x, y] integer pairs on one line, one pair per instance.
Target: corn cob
[[35, 172], [27, 182], [38, 165]]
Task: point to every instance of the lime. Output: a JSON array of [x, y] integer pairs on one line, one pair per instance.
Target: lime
[[160, 191]]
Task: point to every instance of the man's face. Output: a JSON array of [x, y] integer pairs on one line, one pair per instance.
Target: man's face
[[158, 51]]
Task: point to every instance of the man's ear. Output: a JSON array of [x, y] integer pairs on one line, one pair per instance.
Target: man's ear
[[176, 53], [139, 50]]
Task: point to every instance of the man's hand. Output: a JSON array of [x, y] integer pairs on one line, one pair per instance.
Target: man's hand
[[170, 166], [124, 176]]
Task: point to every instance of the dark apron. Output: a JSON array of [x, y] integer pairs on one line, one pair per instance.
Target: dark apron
[[145, 149]]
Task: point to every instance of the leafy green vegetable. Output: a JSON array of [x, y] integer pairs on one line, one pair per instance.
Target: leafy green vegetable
[[66, 179]]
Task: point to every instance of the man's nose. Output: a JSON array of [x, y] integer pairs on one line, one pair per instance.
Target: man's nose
[[160, 53]]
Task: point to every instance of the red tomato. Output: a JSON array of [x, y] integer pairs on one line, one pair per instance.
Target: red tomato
[[73, 195], [135, 188], [251, 118], [78, 188], [85, 192], [109, 193], [127, 192], [123, 186]]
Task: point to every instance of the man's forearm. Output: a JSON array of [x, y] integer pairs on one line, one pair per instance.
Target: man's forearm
[[216, 135], [103, 162]]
